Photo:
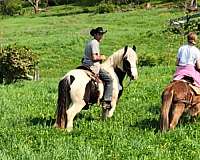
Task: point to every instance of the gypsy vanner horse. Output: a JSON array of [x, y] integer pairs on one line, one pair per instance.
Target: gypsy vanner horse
[[78, 88], [178, 97]]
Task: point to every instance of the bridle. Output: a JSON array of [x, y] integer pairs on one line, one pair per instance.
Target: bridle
[[126, 66]]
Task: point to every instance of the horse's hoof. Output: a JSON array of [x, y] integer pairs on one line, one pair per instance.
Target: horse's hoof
[[55, 125], [110, 114], [69, 129], [105, 114]]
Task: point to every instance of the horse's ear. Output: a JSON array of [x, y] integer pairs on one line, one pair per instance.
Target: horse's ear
[[125, 50], [134, 48]]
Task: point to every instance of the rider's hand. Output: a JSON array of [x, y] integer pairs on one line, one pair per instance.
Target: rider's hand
[[103, 57]]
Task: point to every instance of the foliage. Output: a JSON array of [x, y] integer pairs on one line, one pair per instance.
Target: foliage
[[147, 60], [97, 2], [16, 63], [104, 7], [10, 7], [185, 24]]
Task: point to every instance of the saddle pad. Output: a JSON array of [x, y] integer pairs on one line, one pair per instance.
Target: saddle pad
[[195, 88]]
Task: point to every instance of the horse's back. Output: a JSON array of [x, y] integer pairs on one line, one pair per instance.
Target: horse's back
[[178, 87], [79, 75], [80, 80]]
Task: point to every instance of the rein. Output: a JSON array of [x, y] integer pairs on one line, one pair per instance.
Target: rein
[[130, 80]]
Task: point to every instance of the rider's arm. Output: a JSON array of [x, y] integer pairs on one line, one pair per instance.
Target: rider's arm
[[197, 60], [198, 65], [96, 57], [177, 61]]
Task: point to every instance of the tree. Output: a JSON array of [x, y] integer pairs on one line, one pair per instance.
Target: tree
[[10, 7], [35, 4], [191, 5]]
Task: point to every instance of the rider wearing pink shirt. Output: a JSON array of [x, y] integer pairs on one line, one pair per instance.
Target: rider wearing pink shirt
[[188, 60]]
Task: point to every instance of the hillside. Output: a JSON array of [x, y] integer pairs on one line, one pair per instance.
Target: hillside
[[58, 37]]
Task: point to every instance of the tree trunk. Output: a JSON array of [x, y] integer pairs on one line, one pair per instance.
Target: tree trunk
[[47, 3], [193, 3], [191, 6], [35, 4], [148, 5]]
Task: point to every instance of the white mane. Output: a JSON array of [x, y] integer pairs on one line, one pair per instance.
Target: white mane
[[115, 60]]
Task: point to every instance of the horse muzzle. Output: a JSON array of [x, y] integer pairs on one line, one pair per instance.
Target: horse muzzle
[[134, 74], [135, 77]]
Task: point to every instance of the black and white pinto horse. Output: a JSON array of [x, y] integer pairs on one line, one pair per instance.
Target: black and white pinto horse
[[78, 88]]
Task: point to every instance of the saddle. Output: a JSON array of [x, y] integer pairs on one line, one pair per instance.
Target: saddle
[[190, 81], [90, 73], [92, 88]]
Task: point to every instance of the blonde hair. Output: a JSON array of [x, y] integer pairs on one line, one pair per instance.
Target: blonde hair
[[192, 38]]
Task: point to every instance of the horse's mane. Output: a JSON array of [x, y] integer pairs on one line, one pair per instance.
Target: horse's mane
[[114, 59]]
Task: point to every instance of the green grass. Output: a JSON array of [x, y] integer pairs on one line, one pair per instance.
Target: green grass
[[28, 107]]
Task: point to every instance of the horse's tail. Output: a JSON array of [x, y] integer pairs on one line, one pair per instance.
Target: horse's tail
[[64, 101], [167, 97]]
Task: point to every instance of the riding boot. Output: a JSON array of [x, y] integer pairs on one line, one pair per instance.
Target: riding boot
[[106, 105]]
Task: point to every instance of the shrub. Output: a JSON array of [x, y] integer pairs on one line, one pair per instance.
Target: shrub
[[16, 63], [185, 24], [11, 7], [147, 60], [105, 7]]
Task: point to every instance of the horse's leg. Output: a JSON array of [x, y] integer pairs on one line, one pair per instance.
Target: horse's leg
[[114, 99], [194, 110], [176, 114], [72, 111]]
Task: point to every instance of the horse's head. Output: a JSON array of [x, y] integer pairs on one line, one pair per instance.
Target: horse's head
[[129, 62]]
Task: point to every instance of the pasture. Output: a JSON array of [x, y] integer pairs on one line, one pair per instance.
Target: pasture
[[27, 107]]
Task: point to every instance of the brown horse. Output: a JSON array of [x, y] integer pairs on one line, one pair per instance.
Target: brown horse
[[178, 97]]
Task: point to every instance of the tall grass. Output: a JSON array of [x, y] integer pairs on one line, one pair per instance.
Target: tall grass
[[28, 107]]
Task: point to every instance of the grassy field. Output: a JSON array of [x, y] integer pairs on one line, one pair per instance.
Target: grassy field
[[58, 37]]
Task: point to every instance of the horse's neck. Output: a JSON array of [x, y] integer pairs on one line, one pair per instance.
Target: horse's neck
[[114, 60]]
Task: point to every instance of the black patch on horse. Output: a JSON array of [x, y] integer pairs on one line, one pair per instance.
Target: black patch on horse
[[127, 67], [125, 50], [91, 93], [72, 78], [84, 68], [120, 74], [134, 48]]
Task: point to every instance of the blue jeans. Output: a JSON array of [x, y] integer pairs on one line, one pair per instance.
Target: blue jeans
[[108, 84]]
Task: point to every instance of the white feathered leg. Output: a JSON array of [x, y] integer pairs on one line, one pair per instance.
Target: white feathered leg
[[71, 113]]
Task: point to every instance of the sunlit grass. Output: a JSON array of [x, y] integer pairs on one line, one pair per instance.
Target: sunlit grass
[[27, 108]]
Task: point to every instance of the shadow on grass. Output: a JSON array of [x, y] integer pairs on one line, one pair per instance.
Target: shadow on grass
[[154, 123], [66, 14], [187, 119], [46, 121], [155, 109], [84, 116], [49, 121], [149, 123]]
